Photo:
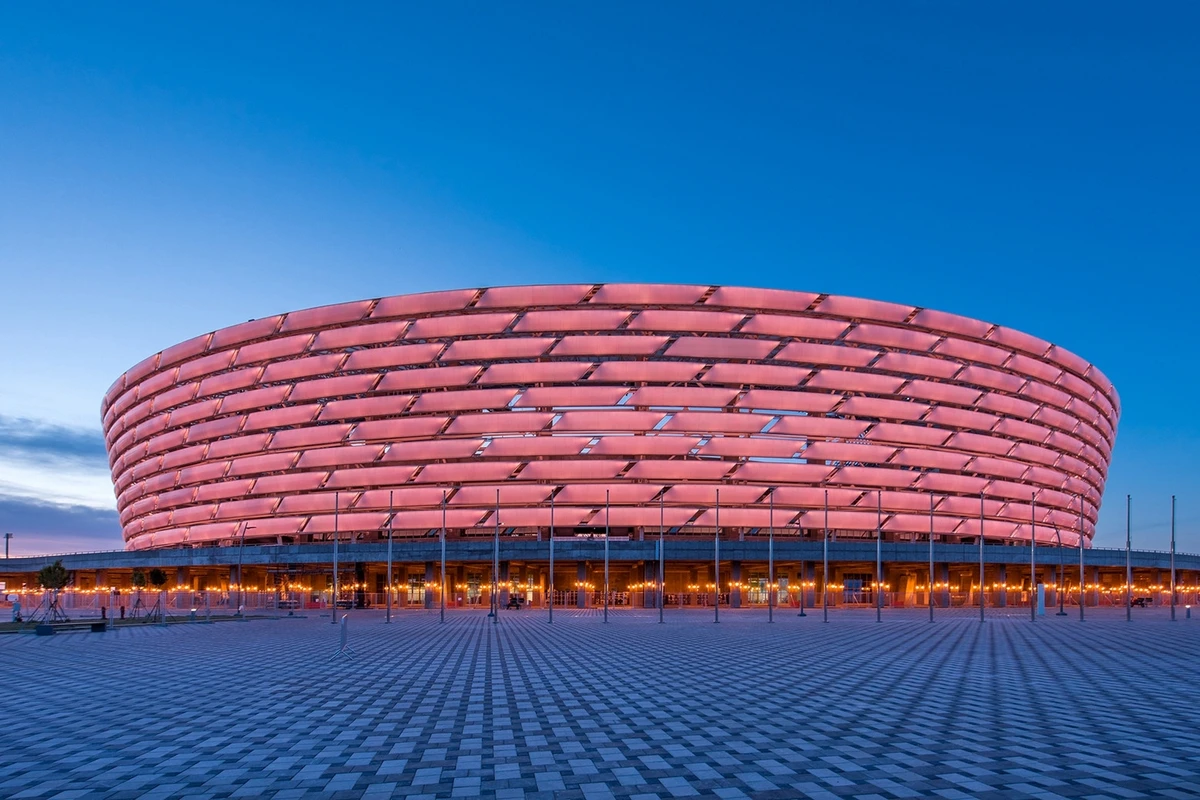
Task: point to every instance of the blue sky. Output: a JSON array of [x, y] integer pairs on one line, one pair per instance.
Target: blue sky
[[166, 170]]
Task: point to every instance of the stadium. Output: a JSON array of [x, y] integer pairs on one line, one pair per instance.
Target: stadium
[[617, 407]]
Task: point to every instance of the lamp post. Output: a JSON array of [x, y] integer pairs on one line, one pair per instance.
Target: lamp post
[[607, 514], [1128, 561], [1172, 558], [879, 556], [388, 618], [771, 563], [1033, 557], [496, 565], [717, 561], [1082, 589], [7, 536], [550, 583], [1061, 576], [241, 584], [930, 557], [442, 589], [662, 598], [803, 566], [825, 564], [980, 556], [334, 599]]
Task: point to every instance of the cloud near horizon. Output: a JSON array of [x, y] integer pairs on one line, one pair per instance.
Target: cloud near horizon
[[44, 528], [55, 488]]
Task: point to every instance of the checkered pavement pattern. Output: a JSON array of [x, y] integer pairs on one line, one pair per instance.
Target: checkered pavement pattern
[[633, 709]]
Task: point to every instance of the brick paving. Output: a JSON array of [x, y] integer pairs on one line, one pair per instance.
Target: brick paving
[[579, 709]]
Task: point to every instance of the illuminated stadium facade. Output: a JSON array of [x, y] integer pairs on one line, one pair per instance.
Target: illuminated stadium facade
[[618, 405]]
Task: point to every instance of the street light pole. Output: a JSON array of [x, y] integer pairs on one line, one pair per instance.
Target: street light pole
[[496, 565], [771, 563], [1128, 561], [930, 598], [550, 583], [7, 536], [607, 514], [1033, 557], [1172, 558], [1082, 588], [825, 565], [662, 526], [388, 618], [981, 573], [1062, 577], [717, 562], [442, 591], [879, 556], [334, 599], [241, 583]]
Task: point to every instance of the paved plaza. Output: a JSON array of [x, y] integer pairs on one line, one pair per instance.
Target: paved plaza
[[523, 709]]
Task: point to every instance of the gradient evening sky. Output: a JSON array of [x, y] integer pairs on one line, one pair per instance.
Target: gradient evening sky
[[168, 169]]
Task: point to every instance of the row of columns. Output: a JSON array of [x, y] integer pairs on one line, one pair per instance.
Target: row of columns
[[900, 578]]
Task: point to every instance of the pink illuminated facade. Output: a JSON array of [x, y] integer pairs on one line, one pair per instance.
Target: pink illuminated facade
[[654, 396]]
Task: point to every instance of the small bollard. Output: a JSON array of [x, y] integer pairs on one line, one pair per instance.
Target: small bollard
[[1188, 615], [192, 615]]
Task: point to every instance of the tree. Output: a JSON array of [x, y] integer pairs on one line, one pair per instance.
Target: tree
[[158, 578], [54, 577], [138, 580]]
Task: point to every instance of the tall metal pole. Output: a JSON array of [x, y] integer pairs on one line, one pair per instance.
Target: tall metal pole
[[241, 583], [717, 562], [1062, 577], [1082, 588], [931, 557], [607, 513], [662, 597], [388, 618], [771, 564], [550, 583], [825, 565], [442, 593], [802, 590], [981, 555], [879, 556], [1033, 557], [496, 565], [334, 600], [1128, 561], [1172, 558], [7, 536]]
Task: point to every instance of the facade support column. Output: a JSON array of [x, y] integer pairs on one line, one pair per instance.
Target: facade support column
[[735, 585], [1002, 594], [581, 593], [808, 582]]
